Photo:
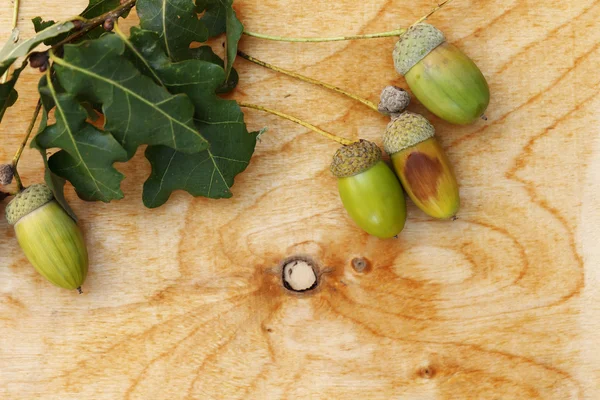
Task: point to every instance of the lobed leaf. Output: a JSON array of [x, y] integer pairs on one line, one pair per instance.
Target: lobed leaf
[[14, 48], [8, 94], [99, 7], [176, 23], [209, 173], [88, 154], [220, 17], [53, 181], [137, 110], [205, 53], [39, 25]]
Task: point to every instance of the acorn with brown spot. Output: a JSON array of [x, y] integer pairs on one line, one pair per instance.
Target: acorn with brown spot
[[422, 165]]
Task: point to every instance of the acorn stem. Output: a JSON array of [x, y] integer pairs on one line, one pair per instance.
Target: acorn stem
[[395, 32], [15, 14], [305, 124], [13, 26], [431, 12], [17, 156], [303, 78]]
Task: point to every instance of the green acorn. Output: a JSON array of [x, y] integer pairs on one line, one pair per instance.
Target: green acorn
[[422, 165], [442, 77], [49, 237], [369, 190]]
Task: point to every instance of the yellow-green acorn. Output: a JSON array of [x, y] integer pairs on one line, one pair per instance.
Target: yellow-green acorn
[[422, 165], [369, 190], [49, 237], [442, 77]]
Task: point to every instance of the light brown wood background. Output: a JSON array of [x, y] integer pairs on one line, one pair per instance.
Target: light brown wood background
[[180, 302]]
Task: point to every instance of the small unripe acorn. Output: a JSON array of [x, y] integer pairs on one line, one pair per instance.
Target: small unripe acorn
[[369, 190], [422, 165], [441, 77], [393, 100], [49, 237], [6, 174]]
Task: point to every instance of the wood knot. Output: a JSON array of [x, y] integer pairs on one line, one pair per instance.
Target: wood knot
[[360, 264], [299, 274], [427, 372]]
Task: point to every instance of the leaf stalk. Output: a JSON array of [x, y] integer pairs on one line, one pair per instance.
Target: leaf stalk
[[303, 78], [395, 32], [15, 18], [305, 124], [17, 156]]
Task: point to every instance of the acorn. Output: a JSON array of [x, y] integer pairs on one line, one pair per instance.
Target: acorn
[[422, 165], [442, 77], [49, 237], [370, 192]]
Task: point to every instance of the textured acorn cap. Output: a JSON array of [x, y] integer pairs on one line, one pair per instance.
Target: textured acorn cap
[[405, 131], [355, 158], [27, 201], [6, 174], [393, 100], [414, 45]]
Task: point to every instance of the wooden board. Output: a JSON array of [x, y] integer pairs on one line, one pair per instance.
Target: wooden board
[[181, 301]]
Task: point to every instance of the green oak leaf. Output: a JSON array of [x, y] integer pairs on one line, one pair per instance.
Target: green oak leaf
[[176, 23], [88, 154], [209, 173], [53, 181], [219, 17], [137, 110], [205, 53], [213, 17], [8, 94], [15, 49], [57, 186], [39, 25], [99, 7]]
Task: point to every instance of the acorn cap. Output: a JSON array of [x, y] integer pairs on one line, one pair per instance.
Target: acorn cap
[[27, 201], [355, 158], [6, 174], [393, 100], [405, 131], [414, 45]]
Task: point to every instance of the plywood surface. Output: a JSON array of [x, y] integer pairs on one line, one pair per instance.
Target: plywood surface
[[181, 301]]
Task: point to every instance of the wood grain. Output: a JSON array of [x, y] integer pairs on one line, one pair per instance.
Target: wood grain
[[182, 301]]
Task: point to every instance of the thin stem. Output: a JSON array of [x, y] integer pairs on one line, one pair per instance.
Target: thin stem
[[305, 124], [15, 14], [14, 25], [395, 32], [430, 13], [366, 102], [17, 156], [90, 24]]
